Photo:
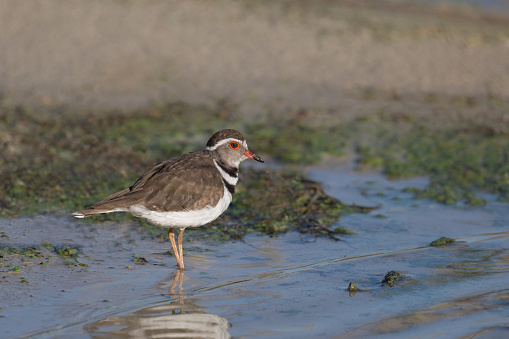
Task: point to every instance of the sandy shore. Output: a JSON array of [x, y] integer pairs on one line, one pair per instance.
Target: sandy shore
[[117, 54]]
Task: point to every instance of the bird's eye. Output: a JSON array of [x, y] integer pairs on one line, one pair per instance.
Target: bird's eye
[[234, 145]]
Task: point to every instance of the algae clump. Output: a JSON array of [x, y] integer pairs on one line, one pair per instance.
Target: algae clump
[[442, 242], [391, 278]]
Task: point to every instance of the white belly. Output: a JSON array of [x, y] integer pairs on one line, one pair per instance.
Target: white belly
[[185, 218]]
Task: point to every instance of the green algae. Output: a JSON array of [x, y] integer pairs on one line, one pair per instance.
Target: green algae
[[77, 159], [461, 161], [67, 251], [24, 255], [55, 160], [29, 252], [352, 287], [442, 242], [273, 202], [391, 278], [293, 139], [38, 251], [140, 260], [344, 231]]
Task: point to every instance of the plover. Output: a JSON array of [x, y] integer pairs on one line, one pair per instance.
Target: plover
[[187, 191]]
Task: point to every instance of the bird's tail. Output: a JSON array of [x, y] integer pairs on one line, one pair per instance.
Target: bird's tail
[[92, 211], [86, 213], [107, 205]]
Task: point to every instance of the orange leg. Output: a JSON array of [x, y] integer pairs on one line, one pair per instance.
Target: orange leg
[[171, 235], [180, 239]]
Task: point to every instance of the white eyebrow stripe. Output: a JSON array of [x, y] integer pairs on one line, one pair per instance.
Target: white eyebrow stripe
[[225, 141]]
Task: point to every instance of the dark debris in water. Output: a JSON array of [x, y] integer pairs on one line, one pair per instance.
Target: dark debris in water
[[442, 242], [140, 260], [352, 287], [67, 251], [391, 278]]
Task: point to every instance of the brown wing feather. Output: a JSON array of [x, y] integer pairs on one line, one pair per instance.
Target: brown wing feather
[[189, 182], [112, 197]]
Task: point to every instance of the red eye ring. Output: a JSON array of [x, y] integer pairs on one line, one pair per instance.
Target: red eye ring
[[234, 145]]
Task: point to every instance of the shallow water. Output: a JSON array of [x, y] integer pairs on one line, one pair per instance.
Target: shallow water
[[290, 286]]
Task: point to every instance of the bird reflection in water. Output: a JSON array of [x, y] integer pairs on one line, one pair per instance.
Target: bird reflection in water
[[178, 318]]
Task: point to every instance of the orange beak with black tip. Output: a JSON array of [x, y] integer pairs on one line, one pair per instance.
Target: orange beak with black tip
[[253, 156]]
